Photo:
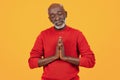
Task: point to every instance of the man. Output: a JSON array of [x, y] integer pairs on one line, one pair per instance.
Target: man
[[60, 49]]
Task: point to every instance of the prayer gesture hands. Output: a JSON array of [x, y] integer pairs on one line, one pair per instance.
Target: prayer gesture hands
[[60, 49]]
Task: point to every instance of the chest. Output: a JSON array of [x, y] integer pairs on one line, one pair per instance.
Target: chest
[[50, 41]]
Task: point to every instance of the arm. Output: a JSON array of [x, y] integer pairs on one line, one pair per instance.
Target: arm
[[87, 58], [45, 61], [37, 52], [72, 60], [39, 62]]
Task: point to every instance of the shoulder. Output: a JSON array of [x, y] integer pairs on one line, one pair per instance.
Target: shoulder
[[74, 30], [44, 32], [47, 30]]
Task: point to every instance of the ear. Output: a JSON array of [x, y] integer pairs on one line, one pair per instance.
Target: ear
[[49, 18], [49, 15], [65, 14]]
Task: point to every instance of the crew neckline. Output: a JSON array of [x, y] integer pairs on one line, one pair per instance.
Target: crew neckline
[[60, 30]]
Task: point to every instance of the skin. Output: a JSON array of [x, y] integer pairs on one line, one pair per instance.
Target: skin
[[57, 15]]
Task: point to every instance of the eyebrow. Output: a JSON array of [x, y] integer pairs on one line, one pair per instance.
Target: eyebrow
[[57, 12]]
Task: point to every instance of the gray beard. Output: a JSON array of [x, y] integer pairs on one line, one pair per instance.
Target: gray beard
[[60, 27]]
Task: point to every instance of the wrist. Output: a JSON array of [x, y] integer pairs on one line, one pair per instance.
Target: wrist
[[64, 58], [55, 57]]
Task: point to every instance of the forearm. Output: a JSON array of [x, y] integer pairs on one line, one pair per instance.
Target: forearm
[[87, 61], [45, 61], [74, 61]]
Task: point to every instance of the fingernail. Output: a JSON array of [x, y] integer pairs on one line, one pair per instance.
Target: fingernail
[[60, 37]]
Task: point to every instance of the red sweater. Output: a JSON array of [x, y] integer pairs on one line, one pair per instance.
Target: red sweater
[[75, 46]]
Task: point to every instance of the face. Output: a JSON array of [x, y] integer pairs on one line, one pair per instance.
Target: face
[[57, 15]]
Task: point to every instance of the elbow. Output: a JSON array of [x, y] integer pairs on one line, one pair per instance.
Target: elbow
[[87, 63], [92, 62], [91, 65], [31, 66], [33, 63]]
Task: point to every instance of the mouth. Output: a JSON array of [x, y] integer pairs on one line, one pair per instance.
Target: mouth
[[58, 23]]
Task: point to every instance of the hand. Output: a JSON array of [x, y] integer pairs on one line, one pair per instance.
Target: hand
[[60, 49], [57, 54], [62, 54]]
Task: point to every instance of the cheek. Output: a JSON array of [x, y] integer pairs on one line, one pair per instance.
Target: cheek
[[52, 20], [63, 17]]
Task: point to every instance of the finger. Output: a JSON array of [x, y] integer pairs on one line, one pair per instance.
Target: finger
[[59, 42], [60, 37], [60, 55]]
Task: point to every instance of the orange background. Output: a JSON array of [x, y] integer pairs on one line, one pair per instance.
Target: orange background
[[22, 20]]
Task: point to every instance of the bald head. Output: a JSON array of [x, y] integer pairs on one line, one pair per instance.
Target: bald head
[[55, 5]]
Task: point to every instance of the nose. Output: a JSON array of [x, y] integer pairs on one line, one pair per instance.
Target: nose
[[57, 17]]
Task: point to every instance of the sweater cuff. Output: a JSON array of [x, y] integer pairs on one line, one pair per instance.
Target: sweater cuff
[[33, 62], [83, 62]]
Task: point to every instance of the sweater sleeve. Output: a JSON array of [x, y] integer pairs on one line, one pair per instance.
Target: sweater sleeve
[[36, 52], [87, 58]]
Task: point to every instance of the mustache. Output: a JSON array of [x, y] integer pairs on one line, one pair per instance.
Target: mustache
[[62, 20]]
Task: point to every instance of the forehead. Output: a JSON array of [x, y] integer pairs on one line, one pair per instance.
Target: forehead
[[54, 10]]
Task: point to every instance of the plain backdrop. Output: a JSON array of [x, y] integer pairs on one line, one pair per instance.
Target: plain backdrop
[[22, 20]]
